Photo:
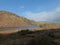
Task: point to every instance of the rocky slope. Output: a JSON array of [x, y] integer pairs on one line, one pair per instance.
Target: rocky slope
[[8, 19]]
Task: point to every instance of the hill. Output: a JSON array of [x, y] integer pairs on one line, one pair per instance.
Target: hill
[[8, 19]]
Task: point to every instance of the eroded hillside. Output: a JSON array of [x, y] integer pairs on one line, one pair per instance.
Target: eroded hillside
[[8, 19]]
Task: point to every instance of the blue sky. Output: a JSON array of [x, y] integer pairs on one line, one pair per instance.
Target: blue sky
[[33, 9]]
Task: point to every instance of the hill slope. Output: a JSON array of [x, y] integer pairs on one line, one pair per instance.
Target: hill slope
[[8, 19]]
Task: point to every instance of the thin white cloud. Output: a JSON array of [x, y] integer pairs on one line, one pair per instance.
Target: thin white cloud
[[21, 7], [45, 16]]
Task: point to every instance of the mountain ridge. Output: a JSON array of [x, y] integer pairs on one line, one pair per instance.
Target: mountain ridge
[[9, 19]]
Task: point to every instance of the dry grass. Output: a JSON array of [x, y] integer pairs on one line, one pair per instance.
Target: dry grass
[[50, 25], [45, 26], [8, 31]]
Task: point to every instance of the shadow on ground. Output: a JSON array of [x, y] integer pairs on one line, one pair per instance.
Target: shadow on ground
[[26, 37]]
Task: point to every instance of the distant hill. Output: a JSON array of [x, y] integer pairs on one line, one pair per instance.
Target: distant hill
[[8, 19]]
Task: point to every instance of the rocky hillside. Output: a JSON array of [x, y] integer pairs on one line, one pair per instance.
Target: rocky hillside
[[8, 19]]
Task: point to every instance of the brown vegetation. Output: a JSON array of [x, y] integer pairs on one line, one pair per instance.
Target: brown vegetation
[[49, 25], [26, 37]]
